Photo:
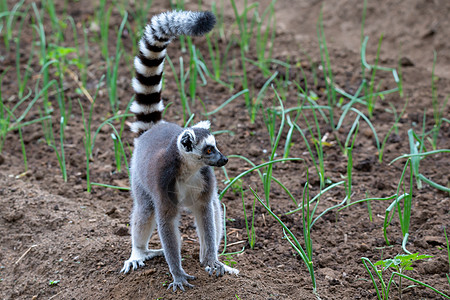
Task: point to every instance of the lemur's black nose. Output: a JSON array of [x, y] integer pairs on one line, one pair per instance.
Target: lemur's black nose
[[222, 161]]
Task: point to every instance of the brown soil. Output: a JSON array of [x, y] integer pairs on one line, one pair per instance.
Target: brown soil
[[56, 231]]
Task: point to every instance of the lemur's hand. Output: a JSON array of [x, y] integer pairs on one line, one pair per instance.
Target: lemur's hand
[[215, 266], [219, 268]]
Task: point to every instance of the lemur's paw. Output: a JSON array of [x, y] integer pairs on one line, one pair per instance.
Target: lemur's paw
[[215, 267], [180, 282], [138, 257], [219, 268]]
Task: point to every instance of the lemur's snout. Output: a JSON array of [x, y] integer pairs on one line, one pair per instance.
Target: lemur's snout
[[222, 161]]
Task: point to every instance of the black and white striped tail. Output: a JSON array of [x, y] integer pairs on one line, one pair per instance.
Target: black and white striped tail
[[149, 63]]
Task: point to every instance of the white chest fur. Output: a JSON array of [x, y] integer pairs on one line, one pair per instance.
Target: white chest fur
[[189, 189]]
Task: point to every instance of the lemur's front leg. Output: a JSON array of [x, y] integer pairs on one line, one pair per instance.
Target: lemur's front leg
[[169, 234], [207, 220]]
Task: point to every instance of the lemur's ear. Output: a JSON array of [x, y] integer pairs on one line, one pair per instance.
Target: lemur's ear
[[187, 140], [203, 124]]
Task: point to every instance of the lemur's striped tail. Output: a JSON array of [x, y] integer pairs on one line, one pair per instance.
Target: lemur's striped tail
[[149, 63]]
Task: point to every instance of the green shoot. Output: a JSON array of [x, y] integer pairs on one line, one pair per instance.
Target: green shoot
[[113, 69], [251, 232], [405, 216], [267, 36], [180, 81], [53, 282], [349, 152], [317, 197], [400, 264], [233, 181], [385, 289], [257, 105], [39, 27], [225, 103], [306, 256], [103, 16], [397, 119], [10, 15], [326, 66], [60, 155], [55, 22], [88, 141], [370, 99], [22, 80], [448, 252], [415, 157], [274, 143], [229, 261]]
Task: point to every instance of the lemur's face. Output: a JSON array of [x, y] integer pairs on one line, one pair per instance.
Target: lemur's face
[[200, 145], [211, 156]]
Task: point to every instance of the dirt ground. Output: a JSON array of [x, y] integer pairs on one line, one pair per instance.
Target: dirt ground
[[57, 231]]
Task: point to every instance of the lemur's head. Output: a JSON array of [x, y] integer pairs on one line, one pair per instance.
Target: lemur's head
[[198, 144]]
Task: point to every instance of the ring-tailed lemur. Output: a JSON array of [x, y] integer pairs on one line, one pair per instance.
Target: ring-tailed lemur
[[171, 166]]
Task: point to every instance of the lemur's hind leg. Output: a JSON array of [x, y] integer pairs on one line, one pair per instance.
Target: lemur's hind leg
[[143, 224]]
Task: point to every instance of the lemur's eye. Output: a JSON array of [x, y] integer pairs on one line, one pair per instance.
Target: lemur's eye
[[208, 151]]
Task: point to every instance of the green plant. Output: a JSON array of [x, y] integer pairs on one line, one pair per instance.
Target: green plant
[[247, 28], [306, 256], [181, 82], [327, 71], [393, 127], [257, 104], [274, 141], [10, 19], [56, 24], [225, 103], [102, 19], [87, 140], [370, 95], [349, 152], [371, 100], [405, 215], [231, 183], [119, 150], [448, 252], [61, 155], [318, 144], [53, 282], [229, 260], [8, 120], [23, 76], [265, 37], [251, 232], [400, 264], [218, 58], [416, 156], [112, 69]]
